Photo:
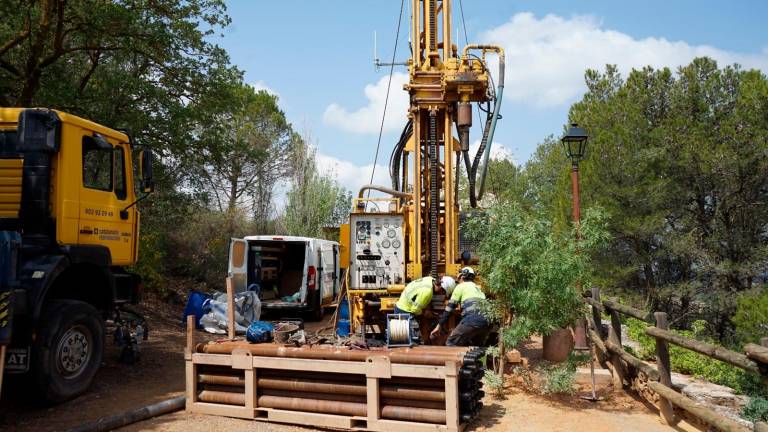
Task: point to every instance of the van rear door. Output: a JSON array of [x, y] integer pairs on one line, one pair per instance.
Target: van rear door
[[329, 272], [238, 263]]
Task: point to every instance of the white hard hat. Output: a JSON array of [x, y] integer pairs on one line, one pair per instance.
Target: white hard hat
[[448, 285], [466, 271]]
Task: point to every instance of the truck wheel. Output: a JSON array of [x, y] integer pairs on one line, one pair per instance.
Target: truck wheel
[[69, 349]]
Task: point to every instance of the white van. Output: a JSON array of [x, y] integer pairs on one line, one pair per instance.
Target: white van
[[292, 274]]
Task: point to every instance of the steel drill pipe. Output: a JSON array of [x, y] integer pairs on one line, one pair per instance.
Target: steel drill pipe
[[424, 415], [413, 403], [311, 395], [412, 393], [226, 380], [323, 376], [402, 357], [220, 397], [420, 382], [312, 405]]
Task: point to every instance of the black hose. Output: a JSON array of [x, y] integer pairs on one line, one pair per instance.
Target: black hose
[[397, 152], [472, 170]]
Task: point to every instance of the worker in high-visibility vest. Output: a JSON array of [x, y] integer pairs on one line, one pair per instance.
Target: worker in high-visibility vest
[[474, 327], [417, 295]]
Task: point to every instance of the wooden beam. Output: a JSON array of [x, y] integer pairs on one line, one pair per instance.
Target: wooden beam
[[614, 339], [596, 339], [597, 309], [190, 348], [709, 416], [666, 410], [708, 349], [757, 353], [612, 304], [230, 309], [633, 361]]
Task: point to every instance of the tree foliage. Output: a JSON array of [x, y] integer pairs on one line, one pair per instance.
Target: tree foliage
[[154, 69], [679, 161], [533, 271], [315, 200]]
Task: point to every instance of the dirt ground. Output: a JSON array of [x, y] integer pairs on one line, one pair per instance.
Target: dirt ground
[[160, 375]]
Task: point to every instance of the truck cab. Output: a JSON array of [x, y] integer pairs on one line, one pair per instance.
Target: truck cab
[[292, 274], [69, 227]]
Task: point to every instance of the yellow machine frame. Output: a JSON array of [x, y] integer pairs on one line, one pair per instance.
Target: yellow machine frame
[[441, 82]]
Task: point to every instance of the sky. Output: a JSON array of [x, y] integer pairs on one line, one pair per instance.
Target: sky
[[317, 57]]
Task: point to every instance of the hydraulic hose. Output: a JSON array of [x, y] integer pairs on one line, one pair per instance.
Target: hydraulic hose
[[386, 190], [490, 128]]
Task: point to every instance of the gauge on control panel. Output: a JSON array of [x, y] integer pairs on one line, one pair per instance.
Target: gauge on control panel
[[385, 244], [391, 233], [395, 244]]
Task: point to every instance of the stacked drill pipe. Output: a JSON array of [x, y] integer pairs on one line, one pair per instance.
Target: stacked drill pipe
[[405, 399]]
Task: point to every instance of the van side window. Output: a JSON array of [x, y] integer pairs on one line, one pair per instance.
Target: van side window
[[97, 165], [121, 190]]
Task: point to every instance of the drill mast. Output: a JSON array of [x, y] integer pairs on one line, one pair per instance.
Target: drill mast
[[442, 88]]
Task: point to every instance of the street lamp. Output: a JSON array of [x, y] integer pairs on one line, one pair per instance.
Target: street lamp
[[575, 144]]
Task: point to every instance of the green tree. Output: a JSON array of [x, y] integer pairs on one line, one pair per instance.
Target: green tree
[[531, 270], [315, 200], [244, 150], [678, 161]]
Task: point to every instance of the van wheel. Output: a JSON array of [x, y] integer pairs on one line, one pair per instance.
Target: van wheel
[[69, 349]]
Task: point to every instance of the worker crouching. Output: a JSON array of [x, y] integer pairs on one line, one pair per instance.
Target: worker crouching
[[473, 328], [417, 296]]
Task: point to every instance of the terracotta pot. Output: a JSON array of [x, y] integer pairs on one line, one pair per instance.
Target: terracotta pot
[[557, 345]]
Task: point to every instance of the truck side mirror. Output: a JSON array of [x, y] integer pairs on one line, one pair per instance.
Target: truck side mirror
[[146, 158]]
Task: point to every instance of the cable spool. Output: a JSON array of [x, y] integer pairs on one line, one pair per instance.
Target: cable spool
[[399, 330]]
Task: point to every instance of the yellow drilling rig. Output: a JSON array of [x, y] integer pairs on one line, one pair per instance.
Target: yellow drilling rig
[[414, 231]]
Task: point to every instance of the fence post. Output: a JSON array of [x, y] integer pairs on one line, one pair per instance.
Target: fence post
[[596, 317], [614, 336], [665, 372]]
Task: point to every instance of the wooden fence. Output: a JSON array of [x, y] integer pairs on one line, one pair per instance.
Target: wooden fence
[[655, 383]]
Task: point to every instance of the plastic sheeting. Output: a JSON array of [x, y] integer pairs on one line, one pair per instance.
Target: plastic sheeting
[[247, 310]]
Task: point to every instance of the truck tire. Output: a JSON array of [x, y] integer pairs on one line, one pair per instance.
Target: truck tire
[[68, 350]]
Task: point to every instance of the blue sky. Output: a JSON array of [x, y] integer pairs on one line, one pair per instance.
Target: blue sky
[[317, 56]]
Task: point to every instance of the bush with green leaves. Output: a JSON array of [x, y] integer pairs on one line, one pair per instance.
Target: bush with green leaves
[[691, 363], [756, 410], [531, 270], [751, 317]]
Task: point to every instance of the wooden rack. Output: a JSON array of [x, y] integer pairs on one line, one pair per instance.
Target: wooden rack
[[377, 367]]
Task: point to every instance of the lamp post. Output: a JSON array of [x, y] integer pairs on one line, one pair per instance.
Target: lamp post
[[575, 143]]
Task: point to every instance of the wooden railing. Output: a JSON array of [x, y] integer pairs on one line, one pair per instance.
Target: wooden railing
[[655, 383]]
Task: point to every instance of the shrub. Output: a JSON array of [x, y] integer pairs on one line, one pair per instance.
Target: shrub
[[494, 382], [690, 363], [751, 317], [558, 379], [756, 410]]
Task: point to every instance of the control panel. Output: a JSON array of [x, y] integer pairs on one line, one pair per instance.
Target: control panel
[[377, 251]]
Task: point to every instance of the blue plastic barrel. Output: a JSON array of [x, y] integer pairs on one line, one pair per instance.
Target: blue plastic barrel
[[342, 328]]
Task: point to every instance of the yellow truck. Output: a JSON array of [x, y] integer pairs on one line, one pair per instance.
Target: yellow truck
[[69, 227]]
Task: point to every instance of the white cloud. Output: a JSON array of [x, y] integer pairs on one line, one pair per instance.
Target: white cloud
[[498, 152], [367, 119], [547, 57], [351, 175], [261, 85]]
